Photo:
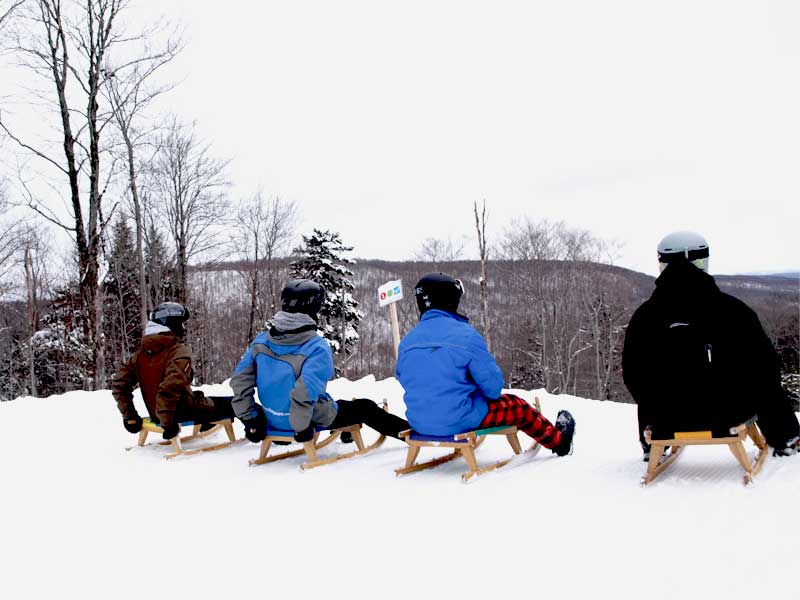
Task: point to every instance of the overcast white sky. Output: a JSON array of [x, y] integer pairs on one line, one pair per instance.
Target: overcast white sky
[[387, 120]]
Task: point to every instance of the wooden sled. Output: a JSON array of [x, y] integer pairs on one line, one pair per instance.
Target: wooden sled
[[463, 444], [149, 427], [735, 441], [310, 447]]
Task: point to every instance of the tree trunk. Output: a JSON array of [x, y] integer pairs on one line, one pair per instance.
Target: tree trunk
[[32, 317], [480, 226], [137, 214]]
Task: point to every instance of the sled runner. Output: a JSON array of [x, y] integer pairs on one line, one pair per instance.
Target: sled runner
[[310, 447], [177, 442], [734, 440], [463, 444]]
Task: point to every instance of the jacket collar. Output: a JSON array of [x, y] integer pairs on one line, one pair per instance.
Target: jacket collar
[[291, 329], [682, 280], [435, 313], [154, 328]]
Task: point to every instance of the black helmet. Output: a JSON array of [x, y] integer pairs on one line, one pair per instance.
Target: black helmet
[[438, 290], [302, 296], [172, 315]]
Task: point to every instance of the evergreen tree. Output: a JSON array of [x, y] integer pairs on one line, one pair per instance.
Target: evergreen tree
[[63, 356], [159, 268], [320, 259], [121, 293]]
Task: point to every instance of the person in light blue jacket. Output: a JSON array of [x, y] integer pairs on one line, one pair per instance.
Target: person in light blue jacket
[[452, 382], [289, 367]]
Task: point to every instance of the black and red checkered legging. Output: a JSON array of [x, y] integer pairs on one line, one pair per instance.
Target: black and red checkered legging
[[513, 410]]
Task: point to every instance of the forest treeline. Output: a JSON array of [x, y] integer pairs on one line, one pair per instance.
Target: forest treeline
[[147, 209]]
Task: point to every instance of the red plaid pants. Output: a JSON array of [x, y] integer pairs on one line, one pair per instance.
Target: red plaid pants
[[513, 410]]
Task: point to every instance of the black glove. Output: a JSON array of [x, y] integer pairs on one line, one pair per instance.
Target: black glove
[[305, 435], [170, 431], [255, 429], [133, 425]]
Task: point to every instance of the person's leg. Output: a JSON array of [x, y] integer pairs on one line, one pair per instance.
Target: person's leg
[[222, 407], [513, 410], [778, 421], [362, 410], [644, 423]]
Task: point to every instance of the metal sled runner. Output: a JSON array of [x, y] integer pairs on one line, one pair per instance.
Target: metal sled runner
[[734, 441], [463, 444], [177, 442]]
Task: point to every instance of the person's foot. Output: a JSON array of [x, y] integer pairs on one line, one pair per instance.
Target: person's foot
[[346, 437], [663, 455], [790, 449], [565, 423]]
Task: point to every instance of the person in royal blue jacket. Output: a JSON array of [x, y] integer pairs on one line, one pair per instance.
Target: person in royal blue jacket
[[290, 366], [453, 384]]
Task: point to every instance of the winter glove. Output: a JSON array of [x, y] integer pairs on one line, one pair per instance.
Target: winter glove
[[255, 429], [133, 425], [170, 431], [305, 435]]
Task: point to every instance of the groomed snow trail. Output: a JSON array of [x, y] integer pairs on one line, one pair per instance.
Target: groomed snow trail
[[83, 518]]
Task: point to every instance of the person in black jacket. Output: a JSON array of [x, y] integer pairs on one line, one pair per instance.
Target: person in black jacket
[[696, 358]]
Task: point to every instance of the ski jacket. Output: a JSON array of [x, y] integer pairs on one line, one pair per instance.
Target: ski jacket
[[162, 368], [696, 358], [447, 373], [290, 371]]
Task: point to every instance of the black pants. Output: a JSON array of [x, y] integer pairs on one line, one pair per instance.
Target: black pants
[[204, 409], [362, 410]]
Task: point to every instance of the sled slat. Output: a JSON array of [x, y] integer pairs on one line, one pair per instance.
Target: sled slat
[[464, 445]]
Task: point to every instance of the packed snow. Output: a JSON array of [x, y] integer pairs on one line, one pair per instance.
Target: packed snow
[[84, 518]]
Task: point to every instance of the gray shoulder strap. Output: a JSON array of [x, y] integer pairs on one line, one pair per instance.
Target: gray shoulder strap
[[294, 360]]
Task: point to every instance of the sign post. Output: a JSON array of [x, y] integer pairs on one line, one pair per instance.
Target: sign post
[[389, 293]]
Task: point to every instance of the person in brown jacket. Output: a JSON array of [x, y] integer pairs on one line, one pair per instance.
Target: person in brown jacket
[[162, 368]]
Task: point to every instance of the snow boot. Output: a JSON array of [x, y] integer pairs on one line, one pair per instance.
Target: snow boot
[[346, 437], [667, 450], [565, 423], [790, 449]]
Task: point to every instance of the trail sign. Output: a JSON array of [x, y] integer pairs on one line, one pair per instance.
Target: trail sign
[[389, 292]]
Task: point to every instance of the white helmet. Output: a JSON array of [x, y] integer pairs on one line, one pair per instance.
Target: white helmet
[[683, 245]]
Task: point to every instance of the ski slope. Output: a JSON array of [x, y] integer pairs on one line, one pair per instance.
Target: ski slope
[[83, 518]]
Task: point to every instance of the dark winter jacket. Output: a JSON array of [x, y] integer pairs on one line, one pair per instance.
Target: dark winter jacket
[[290, 368], [162, 368], [447, 373], [696, 358]]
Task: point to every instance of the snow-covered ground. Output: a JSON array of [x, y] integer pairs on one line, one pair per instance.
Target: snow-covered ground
[[83, 518]]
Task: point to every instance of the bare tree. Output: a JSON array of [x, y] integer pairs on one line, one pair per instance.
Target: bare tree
[[11, 239], [264, 231], [7, 9], [129, 94], [188, 185], [437, 251], [35, 253], [526, 239], [68, 43], [480, 228]]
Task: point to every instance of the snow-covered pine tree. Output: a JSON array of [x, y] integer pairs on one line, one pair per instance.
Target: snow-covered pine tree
[[321, 259], [62, 355]]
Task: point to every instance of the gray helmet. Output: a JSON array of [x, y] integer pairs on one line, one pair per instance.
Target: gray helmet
[[683, 245]]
